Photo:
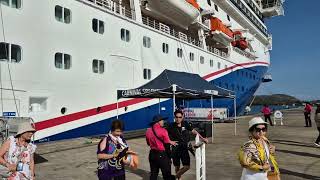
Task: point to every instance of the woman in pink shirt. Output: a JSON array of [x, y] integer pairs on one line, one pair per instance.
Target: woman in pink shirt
[[157, 137], [267, 114]]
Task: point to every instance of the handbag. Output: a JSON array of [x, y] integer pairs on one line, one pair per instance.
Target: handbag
[[273, 176], [167, 146]]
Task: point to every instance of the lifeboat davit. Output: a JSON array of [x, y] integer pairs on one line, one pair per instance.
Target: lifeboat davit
[[220, 32], [239, 41], [182, 13]]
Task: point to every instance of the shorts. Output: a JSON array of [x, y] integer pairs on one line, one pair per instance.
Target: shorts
[[181, 154]]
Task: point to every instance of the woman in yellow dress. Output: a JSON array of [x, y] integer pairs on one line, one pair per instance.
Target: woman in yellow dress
[[257, 156]]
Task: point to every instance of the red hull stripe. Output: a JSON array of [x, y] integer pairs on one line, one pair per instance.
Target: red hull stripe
[[91, 112], [232, 67], [83, 114]]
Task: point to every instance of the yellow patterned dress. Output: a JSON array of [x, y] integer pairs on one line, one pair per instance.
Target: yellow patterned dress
[[252, 156]]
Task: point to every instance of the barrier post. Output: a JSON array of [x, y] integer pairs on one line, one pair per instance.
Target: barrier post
[[200, 159]]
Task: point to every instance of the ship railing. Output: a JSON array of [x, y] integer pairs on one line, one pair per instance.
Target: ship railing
[[171, 31], [114, 7], [244, 53], [271, 4], [216, 51]]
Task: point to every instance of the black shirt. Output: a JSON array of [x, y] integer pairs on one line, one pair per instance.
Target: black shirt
[[180, 134]]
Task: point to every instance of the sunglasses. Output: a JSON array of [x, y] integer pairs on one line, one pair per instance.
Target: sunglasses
[[179, 117], [260, 129]]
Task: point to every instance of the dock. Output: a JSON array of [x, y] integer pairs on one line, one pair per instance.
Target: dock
[[298, 158]]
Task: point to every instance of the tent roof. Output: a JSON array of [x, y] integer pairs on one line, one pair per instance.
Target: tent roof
[[187, 85]]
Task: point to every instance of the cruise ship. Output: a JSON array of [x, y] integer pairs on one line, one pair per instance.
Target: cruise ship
[[62, 61]]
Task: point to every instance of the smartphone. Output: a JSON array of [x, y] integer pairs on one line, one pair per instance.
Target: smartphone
[[20, 166]]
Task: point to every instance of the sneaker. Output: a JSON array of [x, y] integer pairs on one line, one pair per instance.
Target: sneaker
[[318, 145]]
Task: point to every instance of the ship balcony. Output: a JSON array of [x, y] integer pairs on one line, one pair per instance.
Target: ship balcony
[[113, 7], [272, 8], [170, 31], [245, 53]]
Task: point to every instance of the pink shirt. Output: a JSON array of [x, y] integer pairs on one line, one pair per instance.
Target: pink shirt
[[153, 141], [308, 108], [266, 111]]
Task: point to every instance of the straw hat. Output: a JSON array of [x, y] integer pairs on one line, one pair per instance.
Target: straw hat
[[156, 119], [256, 120], [25, 127]]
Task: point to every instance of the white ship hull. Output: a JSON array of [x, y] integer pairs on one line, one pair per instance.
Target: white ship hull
[[89, 99]]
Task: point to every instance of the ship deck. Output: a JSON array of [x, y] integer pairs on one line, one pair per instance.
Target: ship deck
[[298, 158]]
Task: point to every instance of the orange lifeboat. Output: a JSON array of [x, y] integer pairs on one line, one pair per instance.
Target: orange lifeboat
[[194, 3], [217, 25], [220, 32], [239, 41]]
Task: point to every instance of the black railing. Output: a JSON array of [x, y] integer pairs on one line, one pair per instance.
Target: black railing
[[249, 15]]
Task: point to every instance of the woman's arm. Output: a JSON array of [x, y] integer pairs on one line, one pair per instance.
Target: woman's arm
[[102, 146], [245, 157], [106, 156], [32, 169], [5, 148]]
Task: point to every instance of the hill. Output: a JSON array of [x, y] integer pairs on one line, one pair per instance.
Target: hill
[[276, 99]]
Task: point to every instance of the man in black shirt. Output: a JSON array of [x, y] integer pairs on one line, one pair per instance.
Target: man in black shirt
[[180, 131]]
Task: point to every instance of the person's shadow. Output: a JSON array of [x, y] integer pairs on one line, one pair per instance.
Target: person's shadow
[[145, 175]]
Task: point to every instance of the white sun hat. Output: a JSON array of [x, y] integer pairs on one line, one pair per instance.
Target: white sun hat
[[25, 127], [256, 120]]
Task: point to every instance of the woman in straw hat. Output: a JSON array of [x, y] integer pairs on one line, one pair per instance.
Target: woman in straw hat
[[257, 155], [16, 154]]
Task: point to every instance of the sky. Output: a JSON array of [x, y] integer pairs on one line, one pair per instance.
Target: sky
[[295, 57]]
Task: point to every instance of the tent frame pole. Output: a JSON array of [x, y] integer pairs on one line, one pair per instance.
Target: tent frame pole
[[117, 108], [212, 124], [174, 89], [235, 114]]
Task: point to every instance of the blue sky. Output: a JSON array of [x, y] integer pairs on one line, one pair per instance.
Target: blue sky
[[295, 58]]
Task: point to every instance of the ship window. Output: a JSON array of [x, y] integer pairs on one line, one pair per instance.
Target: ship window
[[7, 49], [165, 48], [191, 56], [238, 88], [219, 65], [209, 2], [228, 17], [254, 77], [125, 35], [179, 52], [98, 26], [220, 84], [242, 88], [227, 85], [201, 60], [62, 14], [216, 7], [146, 42], [147, 74], [98, 66], [12, 3], [15, 53], [62, 61], [211, 63], [225, 66]]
